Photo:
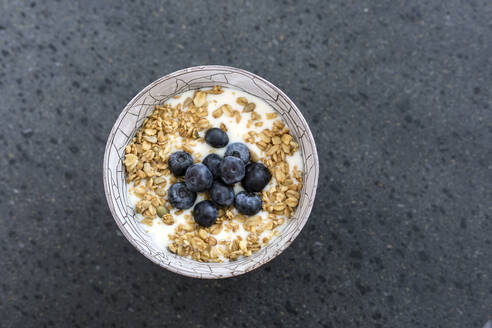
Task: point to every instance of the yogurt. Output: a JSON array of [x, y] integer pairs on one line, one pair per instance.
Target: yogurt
[[237, 132]]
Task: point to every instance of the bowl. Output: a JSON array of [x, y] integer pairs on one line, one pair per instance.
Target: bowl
[[133, 116]]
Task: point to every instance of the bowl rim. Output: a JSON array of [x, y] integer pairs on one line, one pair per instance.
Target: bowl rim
[[265, 259]]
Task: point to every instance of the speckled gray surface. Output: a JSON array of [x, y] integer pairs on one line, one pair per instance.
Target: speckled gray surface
[[399, 98]]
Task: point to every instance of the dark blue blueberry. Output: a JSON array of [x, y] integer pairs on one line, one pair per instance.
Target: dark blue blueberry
[[212, 161], [205, 213], [178, 163], [248, 203], [216, 138], [181, 197], [198, 178], [256, 177], [239, 150], [231, 170], [222, 194]]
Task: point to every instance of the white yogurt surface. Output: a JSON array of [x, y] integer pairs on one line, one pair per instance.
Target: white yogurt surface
[[236, 132]]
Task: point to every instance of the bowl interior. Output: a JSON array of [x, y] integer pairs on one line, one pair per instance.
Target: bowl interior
[[143, 104]]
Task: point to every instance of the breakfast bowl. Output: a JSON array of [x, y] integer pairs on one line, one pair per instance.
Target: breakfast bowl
[[132, 118]]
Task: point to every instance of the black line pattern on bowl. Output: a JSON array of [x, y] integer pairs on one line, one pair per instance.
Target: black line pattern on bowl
[[141, 106]]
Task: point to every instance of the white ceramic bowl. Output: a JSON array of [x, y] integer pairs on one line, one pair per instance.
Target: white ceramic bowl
[[143, 104]]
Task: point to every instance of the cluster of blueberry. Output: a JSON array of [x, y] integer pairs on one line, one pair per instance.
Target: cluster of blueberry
[[217, 176]]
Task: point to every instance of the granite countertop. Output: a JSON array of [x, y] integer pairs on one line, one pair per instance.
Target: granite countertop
[[397, 93]]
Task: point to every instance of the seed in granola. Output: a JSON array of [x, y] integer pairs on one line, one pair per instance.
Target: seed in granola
[[161, 210]]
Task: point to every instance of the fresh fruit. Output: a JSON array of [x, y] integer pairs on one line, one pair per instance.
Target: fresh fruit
[[198, 178], [212, 161], [239, 150], [205, 213], [178, 162], [231, 170], [248, 203], [216, 138], [256, 177], [222, 194], [181, 197]]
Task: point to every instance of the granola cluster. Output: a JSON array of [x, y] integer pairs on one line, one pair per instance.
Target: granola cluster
[[181, 127]]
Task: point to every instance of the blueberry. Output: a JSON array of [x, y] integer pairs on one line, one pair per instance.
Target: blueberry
[[238, 149], [222, 194], [198, 178], [248, 203], [256, 177], [178, 162], [205, 213], [180, 196], [212, 161], [231, 170], [216, 138]]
